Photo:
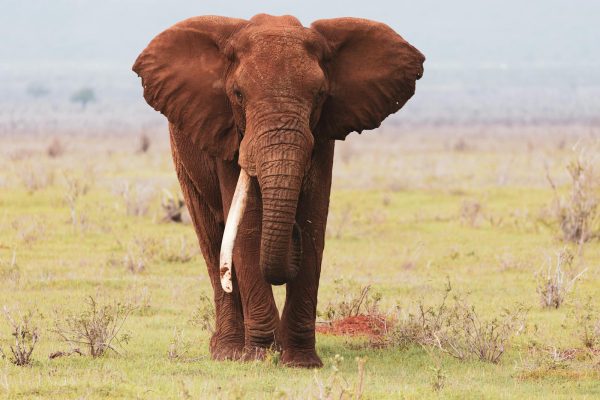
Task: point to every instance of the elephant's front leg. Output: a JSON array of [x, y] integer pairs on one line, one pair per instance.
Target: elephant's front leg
[[261, 319], [228, 339], [297, 328]]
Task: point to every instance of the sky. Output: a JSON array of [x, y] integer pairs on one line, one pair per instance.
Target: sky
[[488, 61], [454, 33]]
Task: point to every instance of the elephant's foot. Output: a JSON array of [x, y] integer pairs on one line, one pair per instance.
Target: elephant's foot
[[301, 358], [226, 349]]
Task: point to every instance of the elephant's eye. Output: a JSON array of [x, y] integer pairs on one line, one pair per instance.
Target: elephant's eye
[[320, 95], [238, 96]]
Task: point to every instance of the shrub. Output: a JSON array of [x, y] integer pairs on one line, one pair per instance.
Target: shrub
[[204, 316], [144, 145], [454, 327], [136, 199], [178, 347], [75, 188], [9, 269], [55, 149], [578, 213], [140, 251], [470, 212], [177, 253], [97, 328], [174, 208], [351, 301], [336, 386], [557, 282], [35, 178], [588, 324], [26, 336]]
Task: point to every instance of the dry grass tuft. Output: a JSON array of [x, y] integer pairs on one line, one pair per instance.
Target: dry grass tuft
[[454, 327], [470, 212], [174, 208], [26, 336], [136, 199], [35, 177], [204, 316], [174, 252], [578, 213], [97, 328], [336, 386], [9, 269], [351, 301], [558, 280], [178, 347], [56, 148], [75, 188], [588, 324], [144, 144]]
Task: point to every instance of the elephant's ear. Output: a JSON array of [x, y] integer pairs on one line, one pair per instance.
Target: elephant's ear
[[372, 73], [182, 72]]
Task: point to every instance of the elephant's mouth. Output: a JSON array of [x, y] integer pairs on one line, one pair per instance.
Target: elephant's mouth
[[238, 205]]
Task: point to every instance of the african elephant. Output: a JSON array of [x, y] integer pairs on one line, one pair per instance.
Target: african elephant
[[254, 108]]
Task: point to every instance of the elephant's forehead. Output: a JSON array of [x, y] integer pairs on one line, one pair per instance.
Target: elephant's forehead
[[277, 41]]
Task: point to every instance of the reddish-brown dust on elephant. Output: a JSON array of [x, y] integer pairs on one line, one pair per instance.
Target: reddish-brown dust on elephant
[[254, 109]]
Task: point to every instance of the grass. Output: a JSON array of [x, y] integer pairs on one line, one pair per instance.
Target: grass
[[398, 223]]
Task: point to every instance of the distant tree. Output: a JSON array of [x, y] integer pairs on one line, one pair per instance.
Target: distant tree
[[84, 96], [37, 90]]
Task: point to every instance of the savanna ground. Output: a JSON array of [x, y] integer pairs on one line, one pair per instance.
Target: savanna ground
[[411, 211]]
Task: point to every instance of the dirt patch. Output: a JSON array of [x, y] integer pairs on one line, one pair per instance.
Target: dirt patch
[[371, 326]]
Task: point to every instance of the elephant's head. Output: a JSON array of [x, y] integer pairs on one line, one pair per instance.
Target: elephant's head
[[267, 90]]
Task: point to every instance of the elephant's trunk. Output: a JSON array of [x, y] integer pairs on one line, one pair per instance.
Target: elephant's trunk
[[282, 158], [281, 245], [279, 158]]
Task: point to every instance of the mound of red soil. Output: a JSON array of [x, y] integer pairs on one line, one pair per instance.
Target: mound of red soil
[[371, 326]]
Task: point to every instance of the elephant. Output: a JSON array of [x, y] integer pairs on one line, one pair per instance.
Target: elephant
[[254, 109]]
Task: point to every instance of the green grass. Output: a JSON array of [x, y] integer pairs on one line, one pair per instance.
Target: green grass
[[406, 242]]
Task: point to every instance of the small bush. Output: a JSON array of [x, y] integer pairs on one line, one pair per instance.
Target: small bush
[[136, 199], [578, 213], [97, 328], [177, 253], [140, 251], [470, 212], [29, 229], [75, 188], [588, 324], [336, 386], [26, 336], [178, 347], [35, 178], [144, 145], [204, 316], [174, 208], [558, 280], [9, 269], [455, 328], [55, 149], [351, 301]]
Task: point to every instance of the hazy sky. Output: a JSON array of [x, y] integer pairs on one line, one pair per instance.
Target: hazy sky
[[450, 33]]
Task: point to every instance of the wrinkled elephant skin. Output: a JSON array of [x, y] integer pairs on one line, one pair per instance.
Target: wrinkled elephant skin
[[269, 96]]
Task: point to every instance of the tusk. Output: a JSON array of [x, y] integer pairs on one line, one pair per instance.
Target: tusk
[[238, 204]]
